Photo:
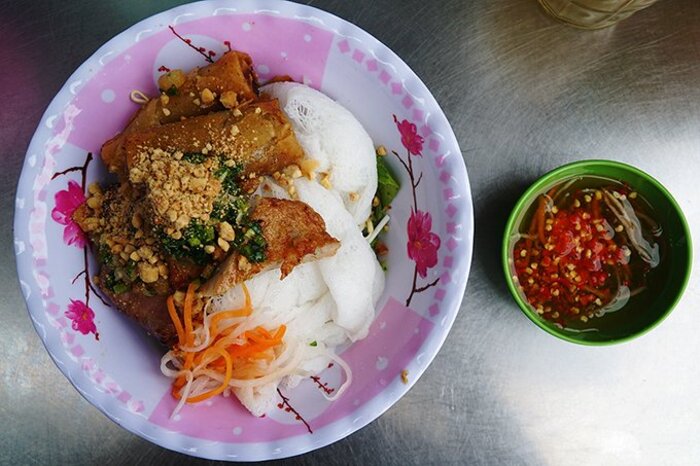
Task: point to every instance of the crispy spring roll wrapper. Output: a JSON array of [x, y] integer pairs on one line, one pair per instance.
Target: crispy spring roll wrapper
[[257, 136], [295, 233], [232, 80]]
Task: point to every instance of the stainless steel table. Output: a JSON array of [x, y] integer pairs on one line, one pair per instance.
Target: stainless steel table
[[524, 94]]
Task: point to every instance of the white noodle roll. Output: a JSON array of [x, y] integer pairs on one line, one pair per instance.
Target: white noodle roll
[[315, 328], [378, 285], [270, 295], [258, 400], [332, 136], [351, 273]]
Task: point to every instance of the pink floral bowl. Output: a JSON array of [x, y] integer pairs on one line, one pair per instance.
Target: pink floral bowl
[[111, 362]]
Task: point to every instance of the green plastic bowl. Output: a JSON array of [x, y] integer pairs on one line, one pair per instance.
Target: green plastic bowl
[[669, 215]]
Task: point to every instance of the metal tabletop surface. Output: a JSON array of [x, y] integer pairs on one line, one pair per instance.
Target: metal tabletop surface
[[524, 94]]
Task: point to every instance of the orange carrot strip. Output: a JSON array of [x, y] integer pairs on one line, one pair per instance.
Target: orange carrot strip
[[224, 384], [187, 317], [189, 297], [176, 321], [247, 296], [219, 316], [189, 360], [280, 332], [246, 351]]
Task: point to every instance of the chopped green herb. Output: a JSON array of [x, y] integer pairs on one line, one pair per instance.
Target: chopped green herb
[[113, 284], [120, 288], [104, 255], [229, 177], [251, 243], [130, 271], [193, 157], [313, 343], [172, 90], [195, 236]]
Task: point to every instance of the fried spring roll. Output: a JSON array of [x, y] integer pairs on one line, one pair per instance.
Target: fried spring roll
[[226, 83], [258, 137]]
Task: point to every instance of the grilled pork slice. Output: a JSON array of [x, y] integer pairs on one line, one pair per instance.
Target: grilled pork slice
[[228, 82], [294, 232], [150, 311]]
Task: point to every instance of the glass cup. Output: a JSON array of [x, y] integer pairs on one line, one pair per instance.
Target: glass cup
[[593, 14]]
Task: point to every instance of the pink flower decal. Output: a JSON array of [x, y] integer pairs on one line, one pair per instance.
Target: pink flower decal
[[423, 244], [67, 201], [82, 317], [410, 138]]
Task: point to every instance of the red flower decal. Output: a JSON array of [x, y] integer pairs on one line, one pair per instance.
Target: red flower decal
[[410, 138], [82, 317], [67, 201], [423, 244]]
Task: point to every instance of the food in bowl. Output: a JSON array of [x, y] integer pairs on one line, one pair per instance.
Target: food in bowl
[[240, 232], [662, 224], [587, 248]]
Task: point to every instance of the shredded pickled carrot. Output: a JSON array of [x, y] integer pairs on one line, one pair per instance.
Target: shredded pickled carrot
[[176, 321], [280, 332], [245, 311], [227, 378], [219, 316], [187, 315], [222, 357]]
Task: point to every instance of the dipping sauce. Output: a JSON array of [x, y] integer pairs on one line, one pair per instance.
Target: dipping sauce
[[588, 247]]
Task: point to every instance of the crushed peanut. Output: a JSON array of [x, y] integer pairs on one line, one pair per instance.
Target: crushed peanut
[[148, 273], [308, 168], [226, 232], [223, 244], [243, 264], [229, 99], [326, 181], [171, 79], [207, 96], [176, 191], [292, 171]]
